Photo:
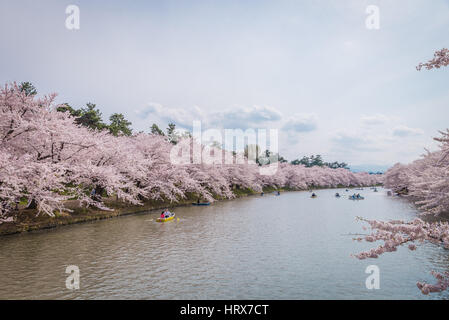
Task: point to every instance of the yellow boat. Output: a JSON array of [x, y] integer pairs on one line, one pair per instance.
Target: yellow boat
[[166, 219]]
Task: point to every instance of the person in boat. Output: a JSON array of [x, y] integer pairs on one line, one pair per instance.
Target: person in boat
[[166, 213], [313, 194], [162, 215], [358, 195], [198, 201], [337, 194], [279, 193]]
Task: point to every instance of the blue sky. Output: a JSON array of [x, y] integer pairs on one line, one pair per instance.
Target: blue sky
[[309, 68]]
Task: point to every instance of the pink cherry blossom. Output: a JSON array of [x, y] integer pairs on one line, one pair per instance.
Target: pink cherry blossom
[[425, 182], [441, 59], [46, 158]]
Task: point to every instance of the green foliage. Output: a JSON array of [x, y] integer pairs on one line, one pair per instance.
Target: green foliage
[[156, 130], [171, 134], [269, 157], [119, 125], [318, 161], [281, 159], [171, 129], [263, 158], [336, 165], [67, 108], [28, 88], [91, 117]]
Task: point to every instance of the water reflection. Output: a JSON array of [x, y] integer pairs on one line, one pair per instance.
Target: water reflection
[[287, 247]]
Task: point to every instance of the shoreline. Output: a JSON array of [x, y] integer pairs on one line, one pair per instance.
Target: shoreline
[[29, 222]]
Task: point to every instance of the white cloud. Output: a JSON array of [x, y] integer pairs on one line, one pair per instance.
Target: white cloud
[[214, 62], [377, 119], [182, 117], [236, 117], [355, 140], [244, 117], [301, 122], [404, 131]]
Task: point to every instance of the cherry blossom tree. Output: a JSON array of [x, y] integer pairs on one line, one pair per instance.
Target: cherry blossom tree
[[441, 59], [47, 156], [425, 182]]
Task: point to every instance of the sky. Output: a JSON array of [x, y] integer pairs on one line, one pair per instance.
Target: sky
[[311, 69]]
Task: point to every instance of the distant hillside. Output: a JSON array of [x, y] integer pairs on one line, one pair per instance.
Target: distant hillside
[[369, 168]]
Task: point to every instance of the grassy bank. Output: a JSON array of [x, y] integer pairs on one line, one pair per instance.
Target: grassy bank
[[27, 219]]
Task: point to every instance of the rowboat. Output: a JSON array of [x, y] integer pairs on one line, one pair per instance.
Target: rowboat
[[355, 198], [201, 203], [166, 219]]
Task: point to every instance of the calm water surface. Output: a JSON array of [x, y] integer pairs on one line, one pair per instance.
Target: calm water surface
[[270, 247]]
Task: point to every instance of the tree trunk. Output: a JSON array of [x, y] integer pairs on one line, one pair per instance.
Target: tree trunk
[[32, 205], [98, 191]]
